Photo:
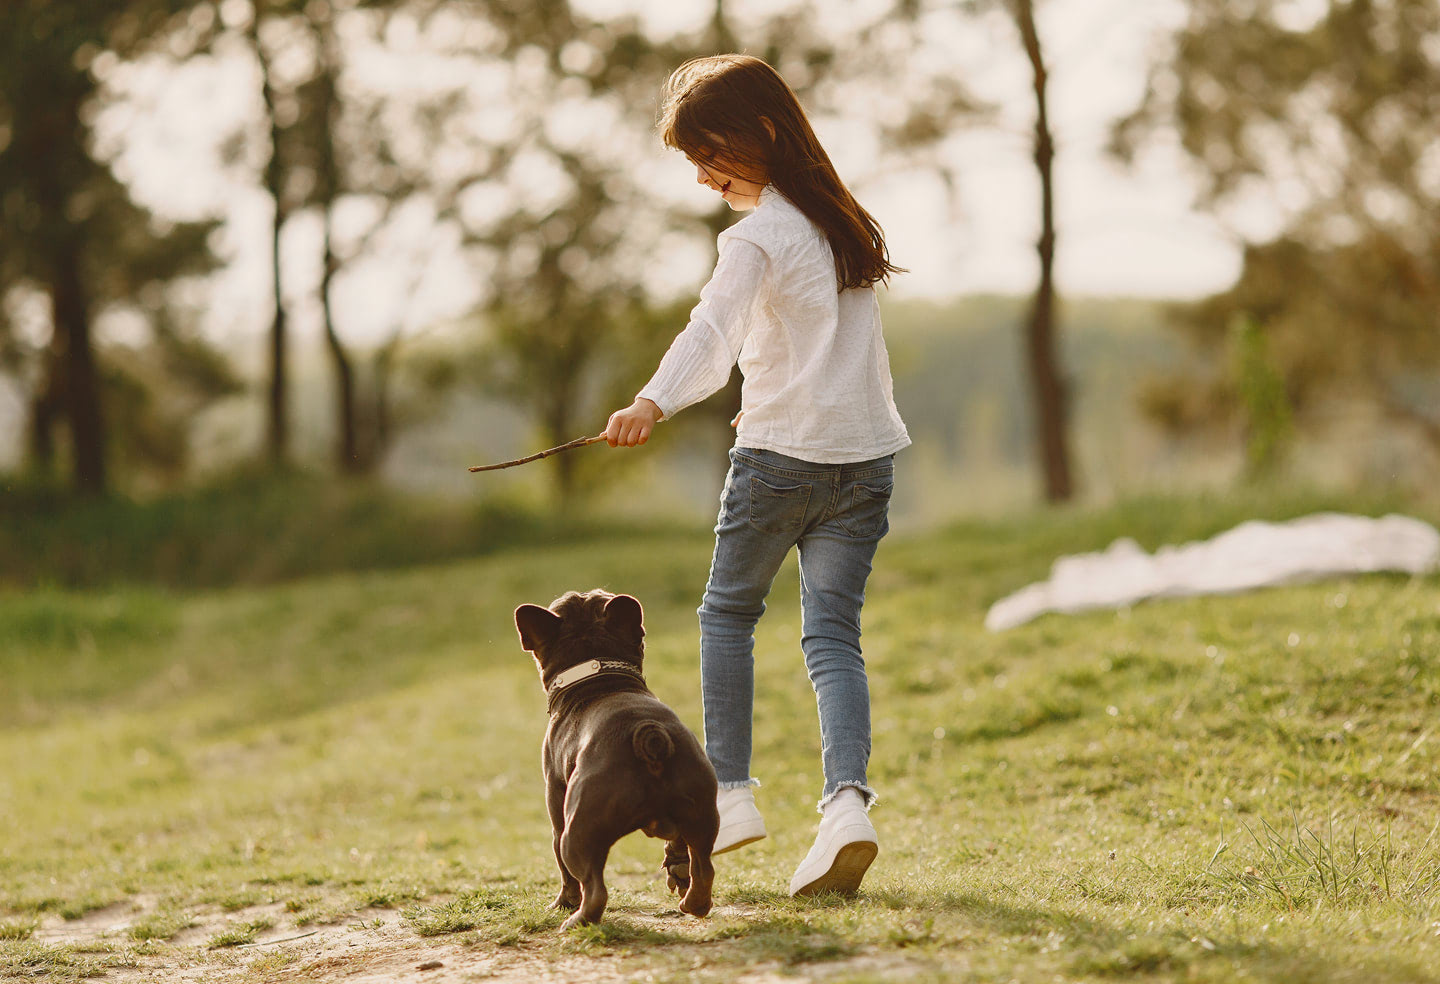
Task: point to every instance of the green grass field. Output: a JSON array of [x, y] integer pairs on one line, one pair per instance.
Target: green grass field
[[1217, 789]]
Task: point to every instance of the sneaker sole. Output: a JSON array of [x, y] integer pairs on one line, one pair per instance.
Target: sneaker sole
[[846, 871], [738, 844], [745, 833]]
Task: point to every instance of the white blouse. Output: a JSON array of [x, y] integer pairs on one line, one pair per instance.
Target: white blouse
[[817, 376]]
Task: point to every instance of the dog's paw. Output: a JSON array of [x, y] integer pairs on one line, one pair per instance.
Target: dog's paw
[[677, 872], [565, 903], [695, 907], [575, 920]]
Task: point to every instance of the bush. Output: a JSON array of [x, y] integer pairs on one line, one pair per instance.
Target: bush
[[252, 529]]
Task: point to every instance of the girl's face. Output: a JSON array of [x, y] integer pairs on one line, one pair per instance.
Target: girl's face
[[739, 194]]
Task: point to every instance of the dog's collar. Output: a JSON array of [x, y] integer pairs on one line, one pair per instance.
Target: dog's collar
[[588, 669]]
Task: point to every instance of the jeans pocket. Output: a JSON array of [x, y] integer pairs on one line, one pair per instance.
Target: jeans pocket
[[869, 508], [778, 510]]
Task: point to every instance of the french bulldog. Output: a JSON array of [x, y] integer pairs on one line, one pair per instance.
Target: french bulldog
[[616, 759]]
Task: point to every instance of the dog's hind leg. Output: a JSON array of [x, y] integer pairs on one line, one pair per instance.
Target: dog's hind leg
[[569, 897], [699, 837], [584, 851]]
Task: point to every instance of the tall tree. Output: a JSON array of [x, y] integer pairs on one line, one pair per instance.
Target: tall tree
[[277, 430], [71, 225], [333, 142], [1049, 398], [1046, 382], [327, 190], [1322, 120]]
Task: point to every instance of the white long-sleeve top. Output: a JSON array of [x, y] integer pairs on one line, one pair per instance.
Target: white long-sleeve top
[[817, 380]]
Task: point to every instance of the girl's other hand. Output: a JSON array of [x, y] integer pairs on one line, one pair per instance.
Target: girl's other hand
[[633, 425]]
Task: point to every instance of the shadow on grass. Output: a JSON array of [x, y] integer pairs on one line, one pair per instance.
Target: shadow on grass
[[786, 934], [752, 925], [1117, 949]]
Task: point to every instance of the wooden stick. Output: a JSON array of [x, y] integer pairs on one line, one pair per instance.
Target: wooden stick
[[285, 940], [579, 442]]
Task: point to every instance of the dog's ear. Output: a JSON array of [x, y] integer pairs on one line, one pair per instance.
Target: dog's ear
[[538, 626], [624, 615]]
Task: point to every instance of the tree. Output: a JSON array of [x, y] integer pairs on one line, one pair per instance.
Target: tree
[[324, 118], [1046, 384], [305, 169], [1326, 126], [277, 434], [557, 339], [561, 248], [70, 230], [1048, 389]]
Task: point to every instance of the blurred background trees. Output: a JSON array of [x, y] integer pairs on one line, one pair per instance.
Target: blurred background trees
[[519, 145], [75, 247], [1313, 128]]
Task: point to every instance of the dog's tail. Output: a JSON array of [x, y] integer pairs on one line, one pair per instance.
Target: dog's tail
[[652, 745]]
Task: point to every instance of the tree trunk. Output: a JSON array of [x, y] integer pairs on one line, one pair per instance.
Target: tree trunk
[[1046, 382], [71, 312], [328, 189], [347, 449], [71, 361], [45, 410], [558, 424], [380, 426], [278, 429], [722, 38]]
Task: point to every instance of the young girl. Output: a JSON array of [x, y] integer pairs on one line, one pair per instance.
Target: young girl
[[792, 300]]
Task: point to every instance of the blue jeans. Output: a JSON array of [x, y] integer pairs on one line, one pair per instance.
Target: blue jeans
[[835, 515]]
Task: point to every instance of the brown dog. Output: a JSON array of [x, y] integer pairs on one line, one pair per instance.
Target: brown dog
[[616, 759]]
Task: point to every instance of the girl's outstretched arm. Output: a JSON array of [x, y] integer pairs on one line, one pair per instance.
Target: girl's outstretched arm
[[698, 361]]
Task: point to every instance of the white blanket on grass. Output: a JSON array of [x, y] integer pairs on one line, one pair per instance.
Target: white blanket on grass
[[1252, 555]]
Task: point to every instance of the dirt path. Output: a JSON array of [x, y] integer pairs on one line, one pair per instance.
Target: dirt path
[[376, 947]]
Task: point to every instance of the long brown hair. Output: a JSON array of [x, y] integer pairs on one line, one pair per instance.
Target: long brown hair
[[735, 113]]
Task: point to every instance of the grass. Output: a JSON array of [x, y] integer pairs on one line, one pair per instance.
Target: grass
[[16, 929], [1211, 789], [240, 933], [163, 924]]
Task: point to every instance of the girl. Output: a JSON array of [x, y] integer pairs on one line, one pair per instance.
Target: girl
[[793, 300]]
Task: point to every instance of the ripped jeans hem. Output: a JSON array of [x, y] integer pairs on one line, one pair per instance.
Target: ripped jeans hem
[[739, 784], [866, 793]]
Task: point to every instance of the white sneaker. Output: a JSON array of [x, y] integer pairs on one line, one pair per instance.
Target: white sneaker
[[844, 847], [740, 821]]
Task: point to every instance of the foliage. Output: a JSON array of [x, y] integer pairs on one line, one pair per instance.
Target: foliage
[[1325, 122], [526, 139], [521, 133], [572, 313], [254, 528], [72, 235]]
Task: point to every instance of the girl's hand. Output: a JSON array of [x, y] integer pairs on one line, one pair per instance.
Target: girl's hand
[[633, 425]]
